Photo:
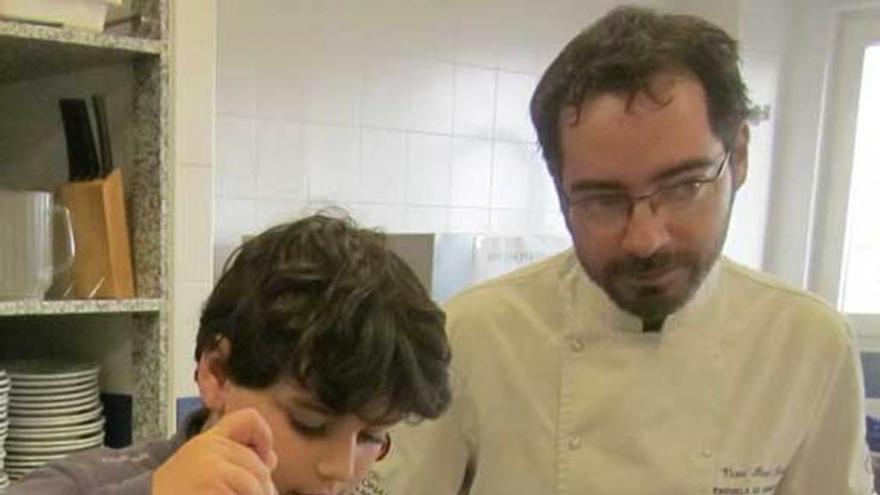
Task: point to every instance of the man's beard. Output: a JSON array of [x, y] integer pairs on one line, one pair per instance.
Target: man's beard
[[652, 302]]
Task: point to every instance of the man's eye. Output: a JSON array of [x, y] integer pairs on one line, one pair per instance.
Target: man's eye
[[683, 190], [602, 201]]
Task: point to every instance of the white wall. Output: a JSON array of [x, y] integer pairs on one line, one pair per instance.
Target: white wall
[[412, 114], [764, 25], [811, 42], [194, 32]]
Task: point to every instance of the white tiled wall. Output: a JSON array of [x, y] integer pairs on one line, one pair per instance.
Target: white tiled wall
[[194, 32], [413, 114]]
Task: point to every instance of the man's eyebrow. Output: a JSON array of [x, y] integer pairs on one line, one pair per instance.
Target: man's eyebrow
[[680, 168], [683, 167]]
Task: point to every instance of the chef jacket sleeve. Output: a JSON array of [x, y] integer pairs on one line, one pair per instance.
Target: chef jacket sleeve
[[833, 457]]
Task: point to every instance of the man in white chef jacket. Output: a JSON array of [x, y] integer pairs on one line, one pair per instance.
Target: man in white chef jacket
[[642, 361]]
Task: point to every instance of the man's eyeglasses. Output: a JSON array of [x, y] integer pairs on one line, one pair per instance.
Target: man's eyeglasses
[[613, 210]]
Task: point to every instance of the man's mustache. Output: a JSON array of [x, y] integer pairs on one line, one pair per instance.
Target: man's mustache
[[632, 265]]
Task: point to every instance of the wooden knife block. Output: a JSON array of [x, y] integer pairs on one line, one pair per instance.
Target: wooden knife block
[[102, 267]]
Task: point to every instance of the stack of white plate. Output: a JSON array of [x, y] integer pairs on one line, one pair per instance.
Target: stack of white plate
[[4, 425], [54, 410]]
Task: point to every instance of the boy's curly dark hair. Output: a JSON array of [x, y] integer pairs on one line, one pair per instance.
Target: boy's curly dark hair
[[329, 305], [622, 52]]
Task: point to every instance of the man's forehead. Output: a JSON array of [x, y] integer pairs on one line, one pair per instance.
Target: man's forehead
[[634, 143], [662, 91]]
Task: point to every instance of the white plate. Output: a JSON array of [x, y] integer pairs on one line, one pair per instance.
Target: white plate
[[42, 369], [72, 419], [50, 382], [16, 476], [23, 465], [53, 408], [58, 432], [15, 415], [20, 460], [77, 394], [23, 469], [17, 447], [49, 391]]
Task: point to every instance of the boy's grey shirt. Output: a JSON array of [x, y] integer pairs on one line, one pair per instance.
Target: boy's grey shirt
[[126, 471], [106, 471]]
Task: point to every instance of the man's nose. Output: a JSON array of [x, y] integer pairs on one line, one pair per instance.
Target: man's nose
[[337, 462], [645, 232]]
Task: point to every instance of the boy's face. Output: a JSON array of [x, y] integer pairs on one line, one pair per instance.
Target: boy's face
[[319, 453]]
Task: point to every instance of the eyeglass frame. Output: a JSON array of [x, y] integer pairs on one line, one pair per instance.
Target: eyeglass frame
[[631, 201]]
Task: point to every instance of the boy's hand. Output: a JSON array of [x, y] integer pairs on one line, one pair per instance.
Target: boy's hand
[[234, 457]]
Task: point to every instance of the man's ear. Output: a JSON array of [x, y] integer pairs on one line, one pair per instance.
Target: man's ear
[[741, 156], [211, 376]]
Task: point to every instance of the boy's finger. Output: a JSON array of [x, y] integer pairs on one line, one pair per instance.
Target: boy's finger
[[247, 427]]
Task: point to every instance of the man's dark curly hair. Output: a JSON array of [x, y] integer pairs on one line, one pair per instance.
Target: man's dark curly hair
[[622, 52], [329, 305]]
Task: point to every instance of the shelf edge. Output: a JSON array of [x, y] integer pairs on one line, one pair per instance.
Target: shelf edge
[[81, 37], [72, 307]]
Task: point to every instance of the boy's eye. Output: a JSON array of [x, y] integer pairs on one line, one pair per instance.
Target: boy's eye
[[312, 428], [377, 437]]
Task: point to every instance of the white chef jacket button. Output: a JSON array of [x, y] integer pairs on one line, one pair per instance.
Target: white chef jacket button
[[574, 443], [575, 343]]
